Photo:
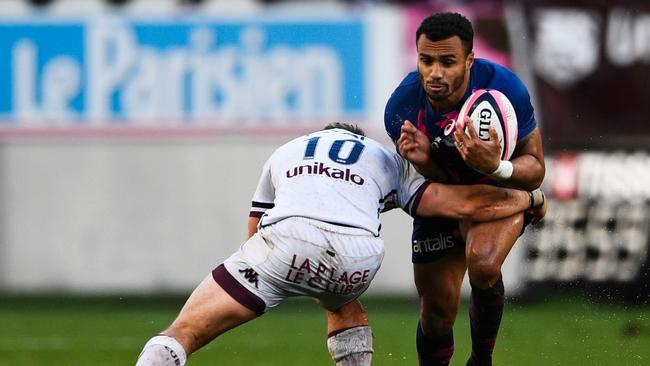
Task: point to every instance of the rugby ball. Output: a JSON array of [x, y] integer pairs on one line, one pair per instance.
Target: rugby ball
[[489, 107]]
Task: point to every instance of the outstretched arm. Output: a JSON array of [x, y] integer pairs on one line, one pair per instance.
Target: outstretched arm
[[478, 202]]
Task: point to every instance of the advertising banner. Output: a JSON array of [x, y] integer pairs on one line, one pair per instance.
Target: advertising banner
[[109, 72]]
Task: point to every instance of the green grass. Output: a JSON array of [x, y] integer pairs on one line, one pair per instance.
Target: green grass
[[111, 331]]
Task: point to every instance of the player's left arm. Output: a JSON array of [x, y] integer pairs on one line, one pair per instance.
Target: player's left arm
[[525, 169], [528, 167]]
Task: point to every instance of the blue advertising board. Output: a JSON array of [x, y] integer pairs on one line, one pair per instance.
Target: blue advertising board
[[116, 71]]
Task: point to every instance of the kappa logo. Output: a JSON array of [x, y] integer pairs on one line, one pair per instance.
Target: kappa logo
[[250, 275]]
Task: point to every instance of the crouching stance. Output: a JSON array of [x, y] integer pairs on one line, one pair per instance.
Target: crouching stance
[[314, 231]]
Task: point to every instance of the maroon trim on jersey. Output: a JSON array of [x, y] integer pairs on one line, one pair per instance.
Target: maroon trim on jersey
[[257, 214], [422, 114], [418, 197], [237, 290], [258, 204]]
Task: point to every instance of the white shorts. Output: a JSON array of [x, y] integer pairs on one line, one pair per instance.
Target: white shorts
[[299, 256]]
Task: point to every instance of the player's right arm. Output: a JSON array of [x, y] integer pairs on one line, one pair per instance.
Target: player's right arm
[[415, 147], [478, 202], [252, 225], [401, 109]]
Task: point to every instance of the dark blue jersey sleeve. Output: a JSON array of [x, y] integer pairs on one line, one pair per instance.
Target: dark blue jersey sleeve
[[524, 110], [511, 85], [402, 105]]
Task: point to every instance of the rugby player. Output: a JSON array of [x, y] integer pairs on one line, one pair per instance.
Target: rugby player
[[314, 231], [425, 103]]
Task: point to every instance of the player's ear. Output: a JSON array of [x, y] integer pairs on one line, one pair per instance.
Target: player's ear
[[469, 61]]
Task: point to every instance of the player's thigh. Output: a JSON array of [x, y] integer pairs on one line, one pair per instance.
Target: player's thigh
[[488, 243], [438, 284], [208, 312]]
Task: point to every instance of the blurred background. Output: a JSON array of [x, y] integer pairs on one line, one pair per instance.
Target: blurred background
[[132, 134]]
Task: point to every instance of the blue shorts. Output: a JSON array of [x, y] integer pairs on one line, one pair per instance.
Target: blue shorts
[[435, 237]]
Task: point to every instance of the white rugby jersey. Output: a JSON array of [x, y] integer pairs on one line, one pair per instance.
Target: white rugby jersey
[[338, 177]]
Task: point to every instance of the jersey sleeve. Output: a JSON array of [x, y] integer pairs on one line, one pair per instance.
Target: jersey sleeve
[[411, 185], [511, 85], [402, 105], [264, 195], [520, 100], [495, 76]]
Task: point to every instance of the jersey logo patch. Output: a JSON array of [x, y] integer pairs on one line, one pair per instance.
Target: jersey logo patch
[[318, 168]]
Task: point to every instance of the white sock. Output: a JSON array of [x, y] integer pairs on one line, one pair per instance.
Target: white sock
[[352, 347], [162, 351]]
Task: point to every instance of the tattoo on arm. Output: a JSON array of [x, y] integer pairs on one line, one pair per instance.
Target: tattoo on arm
[[523, 142]]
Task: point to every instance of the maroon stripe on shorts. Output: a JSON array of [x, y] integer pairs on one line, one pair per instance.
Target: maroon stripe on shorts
[[237, 290]]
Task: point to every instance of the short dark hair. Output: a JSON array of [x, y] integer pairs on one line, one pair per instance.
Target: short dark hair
[[441, 26], [345, 126]]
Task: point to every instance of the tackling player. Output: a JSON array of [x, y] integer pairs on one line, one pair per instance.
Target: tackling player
[[314, 231], [421, 109]]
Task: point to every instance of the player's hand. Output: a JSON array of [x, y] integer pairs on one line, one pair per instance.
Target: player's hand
[[414, 145], [482, 156], [540, 211]]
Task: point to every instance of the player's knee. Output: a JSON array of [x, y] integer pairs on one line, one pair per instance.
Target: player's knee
[[351, 347], [483, 272], [438, 324], [349, 315], [438, 318]]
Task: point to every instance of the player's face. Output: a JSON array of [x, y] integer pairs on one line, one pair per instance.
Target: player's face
[[444, 70]]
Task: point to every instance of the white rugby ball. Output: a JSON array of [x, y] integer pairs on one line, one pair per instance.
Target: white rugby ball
[[489, 107]]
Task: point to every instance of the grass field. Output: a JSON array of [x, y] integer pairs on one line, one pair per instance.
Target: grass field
[[111, 331]]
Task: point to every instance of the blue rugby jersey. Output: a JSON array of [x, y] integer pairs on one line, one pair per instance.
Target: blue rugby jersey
[[409, 102]]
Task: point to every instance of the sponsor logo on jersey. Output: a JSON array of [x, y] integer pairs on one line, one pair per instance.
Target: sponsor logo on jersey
[[433, 244], [321, 169], [250, 275], [447, 139]]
